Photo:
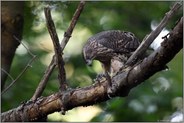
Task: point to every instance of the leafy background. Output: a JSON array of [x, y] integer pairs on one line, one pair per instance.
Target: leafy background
[[157, 99]]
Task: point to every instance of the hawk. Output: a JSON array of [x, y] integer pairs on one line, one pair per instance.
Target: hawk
[[112, 48]]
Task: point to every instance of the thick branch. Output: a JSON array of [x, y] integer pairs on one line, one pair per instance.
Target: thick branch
[[95, 93]]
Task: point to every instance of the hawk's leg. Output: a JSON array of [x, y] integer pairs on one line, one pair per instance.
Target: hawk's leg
[[108, 79], [107, 68], [109, 86]]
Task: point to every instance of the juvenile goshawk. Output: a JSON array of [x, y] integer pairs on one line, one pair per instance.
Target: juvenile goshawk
[[108, 47]]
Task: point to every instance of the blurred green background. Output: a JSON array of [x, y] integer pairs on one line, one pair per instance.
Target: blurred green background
[[154, 100]]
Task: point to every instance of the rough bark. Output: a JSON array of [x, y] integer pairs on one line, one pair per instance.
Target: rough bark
[[11, 27], [123, 82]]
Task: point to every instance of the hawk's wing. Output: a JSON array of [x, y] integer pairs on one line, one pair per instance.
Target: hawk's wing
[[118, 41]]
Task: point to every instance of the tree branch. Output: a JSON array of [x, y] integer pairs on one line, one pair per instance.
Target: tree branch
[[150, 38], [122, 83], [57, 49], [52, 65]]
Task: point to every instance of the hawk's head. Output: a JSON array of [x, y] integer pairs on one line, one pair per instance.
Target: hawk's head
[[88, 54]]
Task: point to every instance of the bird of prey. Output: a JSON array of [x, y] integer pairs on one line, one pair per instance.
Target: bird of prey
[[112, 48]]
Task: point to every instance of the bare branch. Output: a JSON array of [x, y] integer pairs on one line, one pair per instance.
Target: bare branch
[[150, 38], [30, 53], [75, 18], [52, 65], [57, 48], [24, 70], [97, 92], [7, 74], [45, 79]]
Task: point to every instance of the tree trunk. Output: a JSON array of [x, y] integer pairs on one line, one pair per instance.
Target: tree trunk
[[11, 34]]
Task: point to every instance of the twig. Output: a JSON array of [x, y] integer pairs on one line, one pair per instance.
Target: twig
[[7, 74], [150, 38], [75, 18], [24, 46], [24, 70], [52, 65], [58, 52]]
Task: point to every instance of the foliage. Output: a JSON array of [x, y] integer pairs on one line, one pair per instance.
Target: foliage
[[150, 101]]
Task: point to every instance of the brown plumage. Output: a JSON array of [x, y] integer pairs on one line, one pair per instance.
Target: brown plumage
[[109, 47]]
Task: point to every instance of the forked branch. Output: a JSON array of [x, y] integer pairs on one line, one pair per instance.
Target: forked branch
[[52, 65]]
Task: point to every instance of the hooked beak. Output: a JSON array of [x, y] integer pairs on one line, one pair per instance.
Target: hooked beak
[[89, 62]]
